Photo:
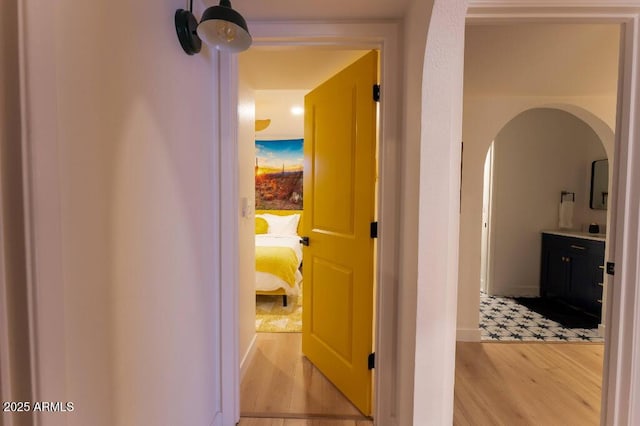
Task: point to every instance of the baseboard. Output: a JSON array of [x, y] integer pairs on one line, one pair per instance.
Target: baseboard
[[246, 359], [601, 330], [468, 335]]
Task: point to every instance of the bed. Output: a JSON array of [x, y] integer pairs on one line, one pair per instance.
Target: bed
[[278, 253]]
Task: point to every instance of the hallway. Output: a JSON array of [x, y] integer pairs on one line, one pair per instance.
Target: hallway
[[496, 383]]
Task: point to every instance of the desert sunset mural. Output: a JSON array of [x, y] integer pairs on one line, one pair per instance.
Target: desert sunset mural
[[278, 173]]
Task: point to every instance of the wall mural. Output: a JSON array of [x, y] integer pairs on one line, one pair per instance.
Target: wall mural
[[279, 165]]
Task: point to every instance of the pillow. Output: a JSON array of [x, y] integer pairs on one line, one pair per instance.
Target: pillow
[[282, 225], [262, 226]]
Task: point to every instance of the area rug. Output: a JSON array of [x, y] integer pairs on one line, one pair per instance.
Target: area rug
[[272, 317], [559, 312]]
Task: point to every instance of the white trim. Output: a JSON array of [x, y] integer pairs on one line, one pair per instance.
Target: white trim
[[468, 335], [5, 365], [621, 375], [228, 228], [547, 5], [621, 384], [378, 35], [602, 330], [248, 356]]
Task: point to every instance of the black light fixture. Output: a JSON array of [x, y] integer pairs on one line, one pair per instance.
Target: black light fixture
[[220, 27]]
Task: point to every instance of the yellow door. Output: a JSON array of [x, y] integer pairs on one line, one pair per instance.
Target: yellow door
[[339, 185]]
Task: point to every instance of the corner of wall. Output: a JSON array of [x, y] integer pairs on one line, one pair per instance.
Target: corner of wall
[[468, 335]]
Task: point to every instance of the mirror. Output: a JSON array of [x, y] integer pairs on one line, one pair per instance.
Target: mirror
[[599, 184]]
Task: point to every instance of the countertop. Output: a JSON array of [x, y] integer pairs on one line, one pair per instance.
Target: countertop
[[577, 234]]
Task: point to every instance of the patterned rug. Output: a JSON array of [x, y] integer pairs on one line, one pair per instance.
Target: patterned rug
[[272, 317], [502, 318]]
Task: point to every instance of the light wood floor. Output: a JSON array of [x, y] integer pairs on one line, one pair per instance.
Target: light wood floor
[[496, 384], [280, 382], [528, 384]]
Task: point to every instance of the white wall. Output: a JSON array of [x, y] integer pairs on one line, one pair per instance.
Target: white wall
[[136, 138], [430, 203], [86, 153], [483, 118], [162, 132], [538, 154], [416, 25], [246, 224]]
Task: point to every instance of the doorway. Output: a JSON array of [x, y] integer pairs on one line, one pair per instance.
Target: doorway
[[543, 153], [501, 82], [522, 106], [299, 57]]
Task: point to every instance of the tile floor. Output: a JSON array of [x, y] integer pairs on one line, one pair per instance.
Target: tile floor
[[501, 318]]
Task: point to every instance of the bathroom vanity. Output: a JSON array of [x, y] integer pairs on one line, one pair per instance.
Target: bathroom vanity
[[572, 269]]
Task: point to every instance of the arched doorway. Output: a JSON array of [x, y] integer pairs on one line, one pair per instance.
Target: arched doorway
[[539, 154]]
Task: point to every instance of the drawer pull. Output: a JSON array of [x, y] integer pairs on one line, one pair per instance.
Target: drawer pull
[[599, 300], [577, 247], [601, 284], [601, 267]]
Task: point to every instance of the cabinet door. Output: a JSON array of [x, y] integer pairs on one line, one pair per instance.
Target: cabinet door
[[554, 272], [579, 279], [572, 270]]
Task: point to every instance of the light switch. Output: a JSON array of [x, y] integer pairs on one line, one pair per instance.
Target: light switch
[[244, 203]]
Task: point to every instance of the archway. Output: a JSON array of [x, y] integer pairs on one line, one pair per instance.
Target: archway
[[483, 120], [538, 154]]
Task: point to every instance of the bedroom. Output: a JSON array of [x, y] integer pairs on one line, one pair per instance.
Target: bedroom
[[271, 132]]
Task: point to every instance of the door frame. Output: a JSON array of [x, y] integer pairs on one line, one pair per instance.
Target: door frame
[[5, 365], [487, 197], [385, 37], [621, 379]]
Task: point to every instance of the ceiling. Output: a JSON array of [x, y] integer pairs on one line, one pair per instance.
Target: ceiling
[[523, 59], [281, 76], [254, 10], [509, 60], [293, 67], [541, 59], [276, 105]]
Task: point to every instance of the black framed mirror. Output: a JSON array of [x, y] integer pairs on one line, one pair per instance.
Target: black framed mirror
[[599, 185]]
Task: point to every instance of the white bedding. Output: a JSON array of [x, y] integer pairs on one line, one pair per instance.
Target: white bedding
[[269, 282]]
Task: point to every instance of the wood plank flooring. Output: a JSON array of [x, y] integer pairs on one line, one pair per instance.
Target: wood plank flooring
[[280, 382], [528, 384], [496, 384]]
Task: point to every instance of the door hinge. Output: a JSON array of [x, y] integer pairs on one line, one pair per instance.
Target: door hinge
[[371, 361], [376, 92], [374, 230], [611, 268]]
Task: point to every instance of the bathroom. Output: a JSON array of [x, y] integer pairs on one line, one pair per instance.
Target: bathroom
[[541, 166]]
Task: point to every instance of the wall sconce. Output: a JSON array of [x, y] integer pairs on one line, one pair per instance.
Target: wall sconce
[[220, 27]]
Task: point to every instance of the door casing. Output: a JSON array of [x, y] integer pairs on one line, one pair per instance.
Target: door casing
[[383, 37]]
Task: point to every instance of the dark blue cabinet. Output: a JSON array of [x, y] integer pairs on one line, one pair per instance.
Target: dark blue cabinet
[[572, 271]]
